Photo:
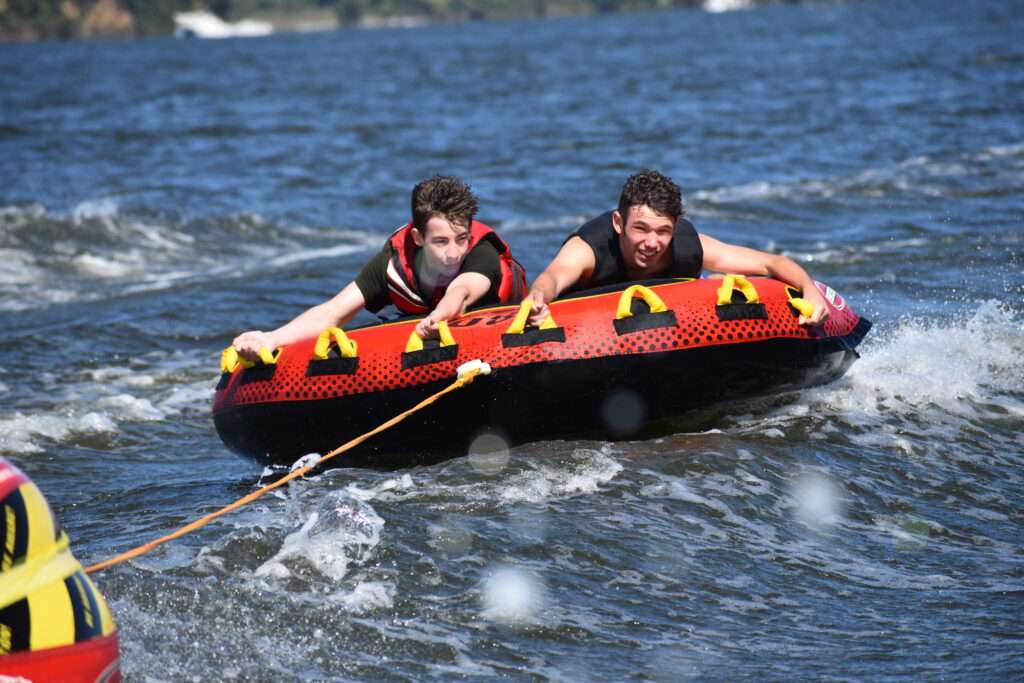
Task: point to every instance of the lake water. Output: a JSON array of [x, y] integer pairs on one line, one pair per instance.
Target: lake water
[[158, 197]]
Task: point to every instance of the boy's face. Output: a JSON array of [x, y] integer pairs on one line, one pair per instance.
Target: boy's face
[[644, 236], [445, 244]]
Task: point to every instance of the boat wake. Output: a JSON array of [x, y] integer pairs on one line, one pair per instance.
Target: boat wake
[[101, 250]]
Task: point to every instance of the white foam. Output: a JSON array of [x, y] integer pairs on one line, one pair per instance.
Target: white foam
[[759, 189], [160, 237], [918, 382], [313, 254], [387, 490], [298, 544], [547, 483], [107, 374], [20, 433], [1004, 151], [919, 175], [19, 268], [859, 569], [909, 532], [32, 299], [102, 267], [21, 215], [851, 254], [710, 492], [367, 596], [100, 399], [130, 407], [924, 362], [103, 209], [505, 485], [101, 243]]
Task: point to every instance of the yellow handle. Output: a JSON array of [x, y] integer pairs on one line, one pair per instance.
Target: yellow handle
[[731, 282], [346, 347], [415, 343], [805, 307], [652, 299], [230, 360], [519, 322]]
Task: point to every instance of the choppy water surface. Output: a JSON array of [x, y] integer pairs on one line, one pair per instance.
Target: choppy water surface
[[158, 197]]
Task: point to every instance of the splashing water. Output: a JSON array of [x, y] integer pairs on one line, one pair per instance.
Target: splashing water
[[341, 531]]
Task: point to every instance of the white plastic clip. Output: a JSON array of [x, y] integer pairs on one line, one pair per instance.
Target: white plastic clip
[[474, 366]]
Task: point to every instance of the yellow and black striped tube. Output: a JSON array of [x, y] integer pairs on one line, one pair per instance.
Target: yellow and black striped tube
[[46, 600], [28, 528]]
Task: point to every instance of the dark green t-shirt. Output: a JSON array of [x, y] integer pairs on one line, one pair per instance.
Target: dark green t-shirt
[[373, 279]]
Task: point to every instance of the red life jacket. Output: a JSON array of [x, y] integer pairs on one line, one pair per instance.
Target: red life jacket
[[402, 286]]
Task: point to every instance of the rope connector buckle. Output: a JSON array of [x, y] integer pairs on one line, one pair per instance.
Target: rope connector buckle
[[308, 461], [473, 368]]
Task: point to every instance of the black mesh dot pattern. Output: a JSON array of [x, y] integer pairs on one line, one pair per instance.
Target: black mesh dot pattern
[[588, 329]]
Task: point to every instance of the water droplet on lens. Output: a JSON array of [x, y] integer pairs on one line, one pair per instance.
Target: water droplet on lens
[[818, 500], [428, 572], [488, 454], [529, 525], [451, 538], [623, 412], [511, 596]]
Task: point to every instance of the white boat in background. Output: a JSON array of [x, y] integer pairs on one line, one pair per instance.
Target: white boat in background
[[207, 25], [726, 5]]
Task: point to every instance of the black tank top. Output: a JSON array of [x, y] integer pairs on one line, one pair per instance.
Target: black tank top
[[609, 268]]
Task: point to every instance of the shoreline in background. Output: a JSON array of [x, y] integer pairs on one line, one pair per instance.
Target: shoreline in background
[[117, 19]]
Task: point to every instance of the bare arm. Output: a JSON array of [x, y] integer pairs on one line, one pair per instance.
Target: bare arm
[[575, 260], [334, 312], [464, 291], [730, 258]]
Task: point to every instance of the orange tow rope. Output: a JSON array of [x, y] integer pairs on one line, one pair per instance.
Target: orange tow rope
[[464, 378]]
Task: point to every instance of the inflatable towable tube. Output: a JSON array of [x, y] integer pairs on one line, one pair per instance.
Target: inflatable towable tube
[[607, 363], [54, 624]]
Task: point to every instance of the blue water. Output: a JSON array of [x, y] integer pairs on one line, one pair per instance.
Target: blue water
[[158, 197]]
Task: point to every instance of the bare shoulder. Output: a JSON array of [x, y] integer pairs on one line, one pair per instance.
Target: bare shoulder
[[575, 253], [707, 241]]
